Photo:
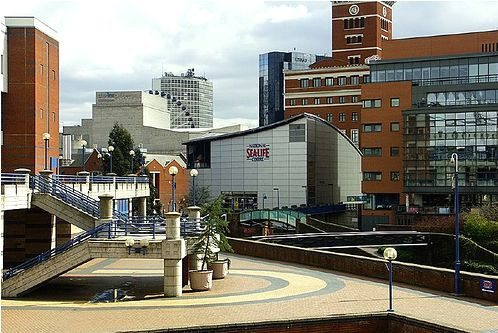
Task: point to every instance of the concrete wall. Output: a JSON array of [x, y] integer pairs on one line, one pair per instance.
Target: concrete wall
[[411, 274]]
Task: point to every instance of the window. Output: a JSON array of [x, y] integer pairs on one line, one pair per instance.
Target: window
[[329, 81], [41, 113], [354, 116], [53, 75], [367, 104], [304, 83], [372, 128], [304, 101], [354, 60], [330, 100], [293, 102], [377, 103], [342, 117], [342, 99], [394, 127], [53, 117], [317, 101], [372, 151], [329, 117], [341, 80], [394, 151], [296, 132], [355, 135], [366, 78], [372, 103], [394, 102], [41, 69], [355, 79], [384, 24], [354, 99], [372, 176], [317, 82], [395, 176]]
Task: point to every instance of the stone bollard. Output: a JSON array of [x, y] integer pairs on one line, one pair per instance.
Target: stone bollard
[[173, 251], [194, 260], [142, 206], [85, 174]]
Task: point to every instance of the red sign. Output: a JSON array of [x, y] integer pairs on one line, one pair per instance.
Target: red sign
[[258, 152]]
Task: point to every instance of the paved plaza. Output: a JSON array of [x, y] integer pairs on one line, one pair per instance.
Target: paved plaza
[[255, 290]]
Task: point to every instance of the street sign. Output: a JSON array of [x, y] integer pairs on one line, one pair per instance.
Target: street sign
[[356, 198], [488, 286]]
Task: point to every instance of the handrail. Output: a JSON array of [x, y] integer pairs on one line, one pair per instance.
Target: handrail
[[13, 271], [67, 194], [13, 178]]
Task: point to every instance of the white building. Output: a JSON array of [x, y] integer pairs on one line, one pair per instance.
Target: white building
[[195, 94], [299, 160]]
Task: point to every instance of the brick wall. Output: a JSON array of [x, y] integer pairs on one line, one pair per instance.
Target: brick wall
[[411, 274]]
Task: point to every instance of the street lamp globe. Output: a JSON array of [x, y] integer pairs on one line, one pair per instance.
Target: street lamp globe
[[83, 143], [194, 172], [390, 253], [99, 156], [110, 148], [46, 136], [132, 152], [173, 170]]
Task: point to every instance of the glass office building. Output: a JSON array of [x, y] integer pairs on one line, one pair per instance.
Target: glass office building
[[454, 110], [271, 81]]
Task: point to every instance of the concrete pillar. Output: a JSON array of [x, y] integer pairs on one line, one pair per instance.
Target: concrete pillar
[[46, 173], [130, 207], [194, 213], [105, 206], [24, 172], [173, 252], [142, 206]]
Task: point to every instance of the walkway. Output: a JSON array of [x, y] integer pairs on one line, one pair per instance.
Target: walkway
[[255, 290]]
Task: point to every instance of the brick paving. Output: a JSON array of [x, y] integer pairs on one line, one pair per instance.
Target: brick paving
[[255, 290]]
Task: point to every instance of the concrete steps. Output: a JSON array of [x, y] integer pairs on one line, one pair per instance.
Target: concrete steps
[[63, 210]]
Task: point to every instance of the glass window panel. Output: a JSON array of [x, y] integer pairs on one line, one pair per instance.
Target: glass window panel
[[440, 98], [454, 71], [435, 72], [490, 96], [399, 75], [445, 71], [431, 98], [417, 73], [381, 76], [408, 74], [493, 65], [483, 69], [390, 75], [426, 75], [450, 98]]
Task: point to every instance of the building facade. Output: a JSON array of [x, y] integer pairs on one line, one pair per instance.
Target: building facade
[[195, 94], [271, 81], [420, 110], [302, 160], [30, 105]]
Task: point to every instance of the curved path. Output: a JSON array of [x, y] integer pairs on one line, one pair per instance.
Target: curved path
[[255, 290]]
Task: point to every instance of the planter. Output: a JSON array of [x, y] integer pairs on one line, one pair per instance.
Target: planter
[[201, 280], [220, 268]]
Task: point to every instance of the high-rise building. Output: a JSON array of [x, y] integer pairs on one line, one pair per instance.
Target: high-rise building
[[30, 106], [271, 81], [195, 94]]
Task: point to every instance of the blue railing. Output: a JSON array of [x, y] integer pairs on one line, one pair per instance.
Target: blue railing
[[65, 193], [283, 216], [96, 232], [13, 178]]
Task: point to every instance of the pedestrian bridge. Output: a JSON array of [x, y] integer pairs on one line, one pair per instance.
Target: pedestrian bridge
[[276, 219]]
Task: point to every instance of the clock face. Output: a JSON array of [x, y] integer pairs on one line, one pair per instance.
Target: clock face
[[384, 11], [354, 10]]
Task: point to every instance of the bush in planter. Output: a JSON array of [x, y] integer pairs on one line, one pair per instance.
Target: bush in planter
[[212, 236]]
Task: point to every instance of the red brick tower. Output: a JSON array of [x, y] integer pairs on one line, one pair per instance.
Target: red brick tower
[[30, 107], [358, 29]]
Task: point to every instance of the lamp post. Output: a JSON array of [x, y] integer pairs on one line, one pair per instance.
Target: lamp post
[[132, 154], [110, 149], [278, 196], [173, 170], [46, 137], [99, 156], [194, 174], [264, 197], [305, 193], [390, 254], [83, 145], [454, 159]]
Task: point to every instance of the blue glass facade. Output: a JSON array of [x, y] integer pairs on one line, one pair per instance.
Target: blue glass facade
[[271, 81]]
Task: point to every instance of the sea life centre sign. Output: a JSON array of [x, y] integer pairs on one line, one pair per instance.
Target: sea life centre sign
[[257, 152]]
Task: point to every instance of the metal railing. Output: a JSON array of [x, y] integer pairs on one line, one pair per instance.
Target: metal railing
[[13, 178], [54, 187]]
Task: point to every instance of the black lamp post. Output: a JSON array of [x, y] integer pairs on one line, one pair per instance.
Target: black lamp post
[[173, 171], [46, 137], [83, 145]]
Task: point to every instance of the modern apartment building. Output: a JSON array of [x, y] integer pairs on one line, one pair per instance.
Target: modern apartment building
[[30, 103], [271, 81], [195, 94], [423, 105]]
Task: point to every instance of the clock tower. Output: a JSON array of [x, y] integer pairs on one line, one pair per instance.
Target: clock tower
[[358, 29]]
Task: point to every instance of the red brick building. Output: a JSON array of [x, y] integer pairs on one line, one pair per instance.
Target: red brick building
[[31, 105]]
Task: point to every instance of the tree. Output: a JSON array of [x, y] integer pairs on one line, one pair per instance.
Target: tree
[[121, 140], [202, 196]]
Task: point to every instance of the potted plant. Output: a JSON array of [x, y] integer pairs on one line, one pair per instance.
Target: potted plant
[[208, 243]]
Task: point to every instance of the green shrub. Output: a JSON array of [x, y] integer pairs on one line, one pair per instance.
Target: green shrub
[[480, 229], [478, 267]]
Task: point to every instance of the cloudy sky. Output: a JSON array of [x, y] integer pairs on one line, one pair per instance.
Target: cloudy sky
[[122, 45]]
